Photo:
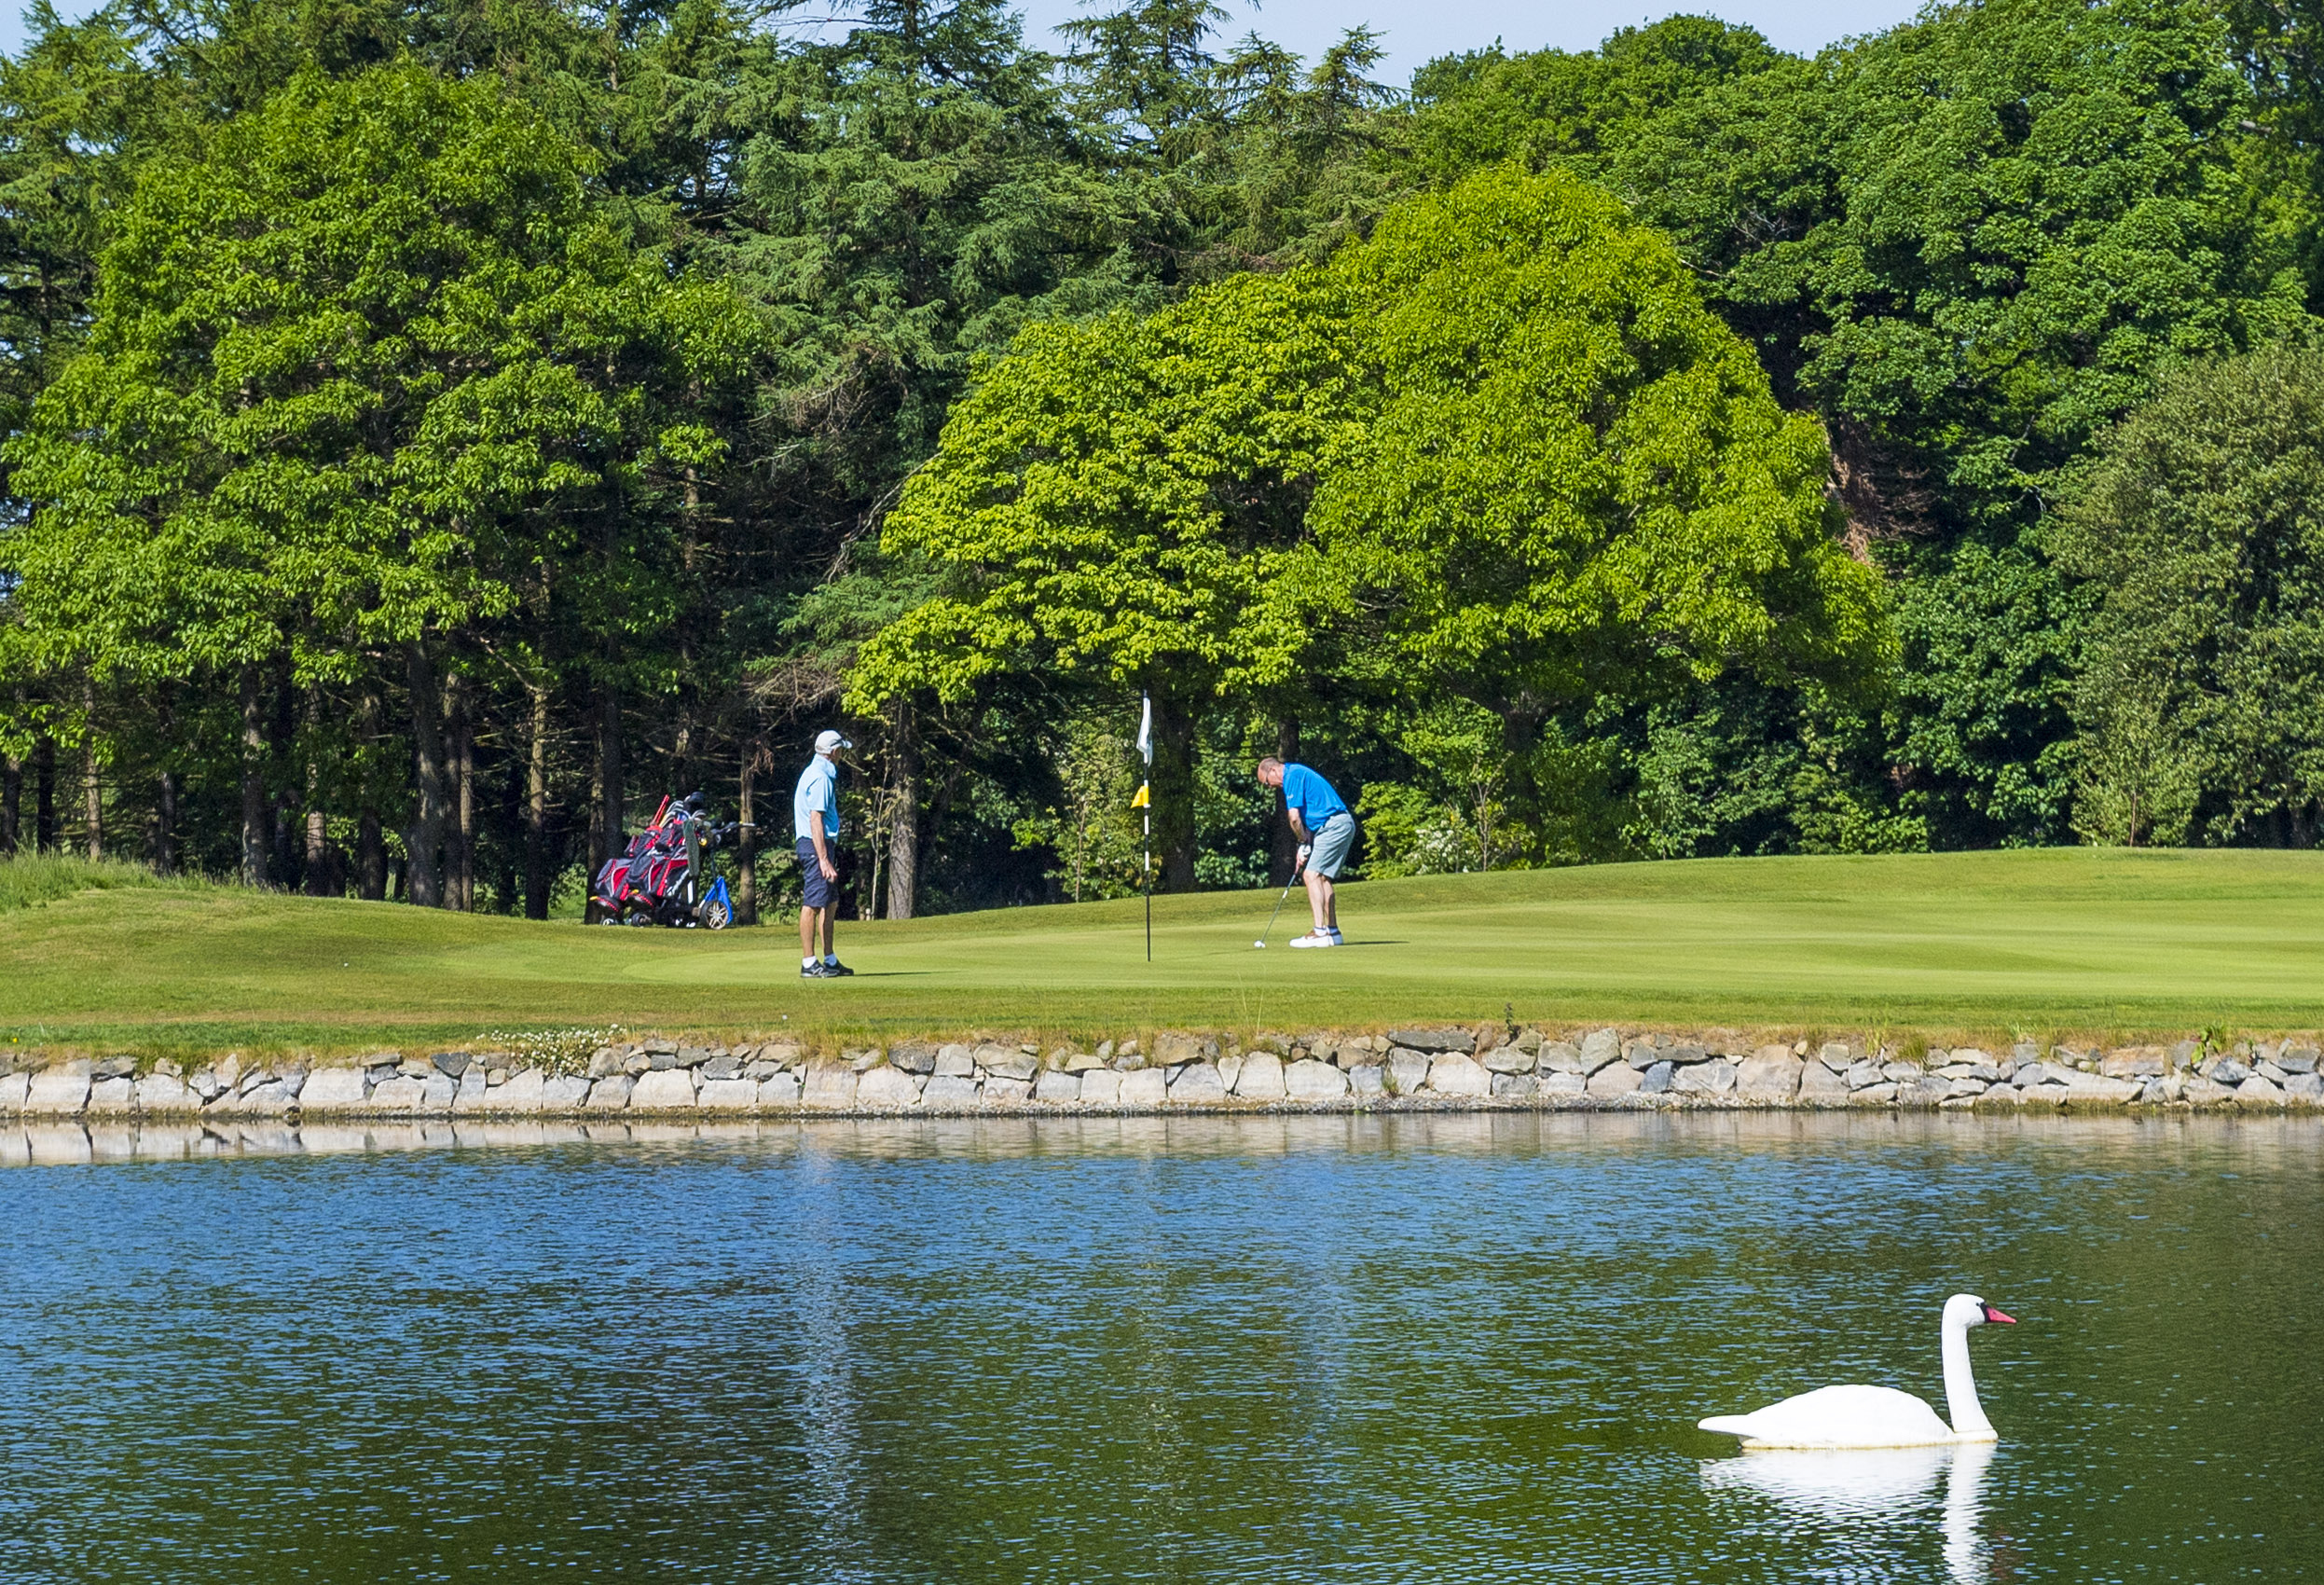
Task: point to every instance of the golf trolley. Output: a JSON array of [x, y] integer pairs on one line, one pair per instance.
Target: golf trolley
[[659, 879]]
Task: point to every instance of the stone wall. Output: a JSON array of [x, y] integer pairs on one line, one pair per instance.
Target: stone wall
[[1477, 1068]]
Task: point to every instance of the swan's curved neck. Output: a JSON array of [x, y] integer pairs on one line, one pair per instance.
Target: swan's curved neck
[[1961, 1387]]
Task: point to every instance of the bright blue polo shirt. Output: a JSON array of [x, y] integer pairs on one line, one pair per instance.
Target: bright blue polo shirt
[[1312, 797]]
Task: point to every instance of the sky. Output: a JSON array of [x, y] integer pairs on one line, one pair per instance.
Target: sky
[[1417, 31]]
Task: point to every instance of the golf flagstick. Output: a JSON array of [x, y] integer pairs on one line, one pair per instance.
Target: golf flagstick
[[1145, 802]]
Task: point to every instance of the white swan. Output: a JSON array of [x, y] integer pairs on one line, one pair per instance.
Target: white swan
[[1871, 1416]]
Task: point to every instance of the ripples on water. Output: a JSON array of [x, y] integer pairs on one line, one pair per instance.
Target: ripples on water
[[1400, 1348]]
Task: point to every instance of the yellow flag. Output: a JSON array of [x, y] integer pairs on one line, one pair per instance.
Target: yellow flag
[[1141, 801]]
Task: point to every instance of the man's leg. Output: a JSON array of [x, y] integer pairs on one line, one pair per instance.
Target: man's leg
[[830, 917], [1331, 905], [1319, 899], [807, 930]]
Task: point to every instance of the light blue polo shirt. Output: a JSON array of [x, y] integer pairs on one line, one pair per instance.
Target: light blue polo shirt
[[818, 788], [1311, 796]]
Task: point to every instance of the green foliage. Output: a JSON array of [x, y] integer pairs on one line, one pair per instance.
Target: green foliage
[[2203, 537], [1089, 825]]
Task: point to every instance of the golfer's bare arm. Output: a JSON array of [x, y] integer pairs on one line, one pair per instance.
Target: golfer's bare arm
[[823, 854], [1299, 826]]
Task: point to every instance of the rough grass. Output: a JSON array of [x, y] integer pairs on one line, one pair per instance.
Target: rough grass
[[1991, 946], [31, 880]]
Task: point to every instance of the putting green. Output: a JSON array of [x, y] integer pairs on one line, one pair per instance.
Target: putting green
[[2081, 939]]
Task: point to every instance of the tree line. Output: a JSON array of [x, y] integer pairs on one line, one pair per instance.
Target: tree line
[[433, 429]]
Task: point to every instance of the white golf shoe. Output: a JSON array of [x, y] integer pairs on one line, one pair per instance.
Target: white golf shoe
[[1316, 938]]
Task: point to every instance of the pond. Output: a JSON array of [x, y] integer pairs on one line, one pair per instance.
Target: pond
[[1397, 1348]]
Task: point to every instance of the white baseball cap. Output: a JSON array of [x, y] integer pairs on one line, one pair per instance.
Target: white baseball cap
[[827, 739]]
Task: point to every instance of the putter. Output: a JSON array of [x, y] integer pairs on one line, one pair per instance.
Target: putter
[[1261, 942]]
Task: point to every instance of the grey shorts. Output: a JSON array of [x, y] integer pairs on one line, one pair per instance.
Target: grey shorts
[[1331, 845]]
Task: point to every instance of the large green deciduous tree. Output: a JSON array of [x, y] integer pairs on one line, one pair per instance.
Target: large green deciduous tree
[[2203, 531], [1503, 438], [366, 378]]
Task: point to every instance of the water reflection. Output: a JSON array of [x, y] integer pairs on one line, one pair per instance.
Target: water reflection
[[1880, 1489]]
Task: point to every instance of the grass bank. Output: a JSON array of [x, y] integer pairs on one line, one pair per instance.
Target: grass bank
[[2087, 942]]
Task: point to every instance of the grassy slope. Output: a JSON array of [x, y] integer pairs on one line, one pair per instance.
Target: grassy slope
[[2081, 939]]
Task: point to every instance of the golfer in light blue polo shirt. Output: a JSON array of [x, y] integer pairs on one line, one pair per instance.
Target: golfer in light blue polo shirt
[[1326, 830], [815, 818]]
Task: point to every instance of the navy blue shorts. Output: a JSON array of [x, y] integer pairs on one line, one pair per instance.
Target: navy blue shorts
[[821, 893]]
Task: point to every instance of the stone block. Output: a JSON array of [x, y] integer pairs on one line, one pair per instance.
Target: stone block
[[1924, 1091], [2227, 1070], [913, 1057], [1556, 1057], [1083, 1062], [1615, 1079], [1006, 1091], [829, 1086], [1145, 1087], [1434, 1042], [2305, 1089], [163, 1091], [1313, 1081], [2134, 1062], [1862, 1075], [1509, 1059], [1101, 1086], [59, 1089], [1900, 1072], [951, 1092], [116, 1094], [1007, 1062], [2206, 1091], [722, 1067], [671, 1089], [1407, 1072], [1821, 1085], [2095, 1088], [1455, 1075], [1512, 1086], [1231, 1069], [2295, 1058], [611, 1093], [1599, 1047], [526, 1091], [736, 1094], [779, 1089], [1643, 1052], [885, 1086], [1655, 1078], [1058, 1087], [1772, 1074], [1170, 1051], [437, 1092], [1367, 1079], [564, 1093], [1261, 1078], [1197, 1083], [1714, 1078], [605, 1060], [1835, 1056], [13, 1087], [1548, 1083], [2252, 1093], [402, 1093], [1883, 1094], [956, 1062]]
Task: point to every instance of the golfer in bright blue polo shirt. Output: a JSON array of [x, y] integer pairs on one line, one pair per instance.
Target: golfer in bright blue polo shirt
[[1326, 830]]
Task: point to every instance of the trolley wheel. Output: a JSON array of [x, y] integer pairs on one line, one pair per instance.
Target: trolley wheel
[[717, 914]]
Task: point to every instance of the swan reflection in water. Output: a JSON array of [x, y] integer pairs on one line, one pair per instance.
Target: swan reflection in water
[[1872, 1486]]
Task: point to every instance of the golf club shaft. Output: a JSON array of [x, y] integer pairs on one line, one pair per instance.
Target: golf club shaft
[[1277, 914]]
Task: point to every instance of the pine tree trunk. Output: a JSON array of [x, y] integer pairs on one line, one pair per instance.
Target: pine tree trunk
[[463, 888], [371, 857], [1173, 793], [747, 839], [44, 795], [253, 782], [537, 809], [316, 864], [92, 796], [423, 873], [11, 802], [903, 837], [165, 826]]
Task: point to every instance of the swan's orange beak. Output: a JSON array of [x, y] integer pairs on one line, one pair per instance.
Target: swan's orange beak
[[1993, 1315]]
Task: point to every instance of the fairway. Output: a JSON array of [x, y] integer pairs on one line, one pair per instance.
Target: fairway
[[2053, 941]]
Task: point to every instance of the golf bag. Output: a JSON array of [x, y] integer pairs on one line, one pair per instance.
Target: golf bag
[[660, 878]]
